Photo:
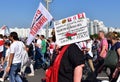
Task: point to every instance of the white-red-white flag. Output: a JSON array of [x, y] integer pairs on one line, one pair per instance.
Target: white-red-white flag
[[2, 30], [41, 18], [1, 44]]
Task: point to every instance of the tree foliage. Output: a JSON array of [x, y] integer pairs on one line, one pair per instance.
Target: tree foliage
[[94, 36]]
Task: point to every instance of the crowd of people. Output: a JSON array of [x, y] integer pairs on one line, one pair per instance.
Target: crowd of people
[[62, 64], [16, 56]]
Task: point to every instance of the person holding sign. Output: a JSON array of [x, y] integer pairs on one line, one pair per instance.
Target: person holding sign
[[69, 62], [67, 66]]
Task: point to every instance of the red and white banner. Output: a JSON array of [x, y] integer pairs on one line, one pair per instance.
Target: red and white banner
[[41, 18], [2, 30], [1, 45]]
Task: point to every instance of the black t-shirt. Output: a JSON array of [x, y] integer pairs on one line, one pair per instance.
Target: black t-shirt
[[72, 58], [30, 51]]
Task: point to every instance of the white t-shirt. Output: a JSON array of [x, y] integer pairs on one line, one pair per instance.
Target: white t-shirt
[[89, 45], [39, 43], [7, 53], [52, 47], [17, 48]]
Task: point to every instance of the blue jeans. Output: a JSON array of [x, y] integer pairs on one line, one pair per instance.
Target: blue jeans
[[13, 74], [37, 57], [43, 58], [38, 53], [4, 66]]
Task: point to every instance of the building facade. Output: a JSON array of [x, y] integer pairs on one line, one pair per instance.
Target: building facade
[[94, 26], [24, 32]]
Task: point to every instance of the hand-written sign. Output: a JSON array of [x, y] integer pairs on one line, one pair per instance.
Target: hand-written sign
[[72, 29]]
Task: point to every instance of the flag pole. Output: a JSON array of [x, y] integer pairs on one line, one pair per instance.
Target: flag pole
[[47, 26]]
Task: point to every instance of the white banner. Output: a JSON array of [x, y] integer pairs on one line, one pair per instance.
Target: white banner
[[41, 18], [2, 30], [72, 29]]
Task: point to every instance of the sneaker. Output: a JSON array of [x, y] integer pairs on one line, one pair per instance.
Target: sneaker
[[19, 73], [8, 78], [31, 74], [1, 80]]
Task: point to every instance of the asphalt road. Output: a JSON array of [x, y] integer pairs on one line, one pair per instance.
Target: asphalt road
[[39, 73]]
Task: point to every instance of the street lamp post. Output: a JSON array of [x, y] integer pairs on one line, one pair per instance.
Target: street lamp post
[[47, 26]]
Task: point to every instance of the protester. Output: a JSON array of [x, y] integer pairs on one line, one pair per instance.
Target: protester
[[86, 48], [16, 50], [38, 41], [5, 38], [103, 45], [70, 67], [51, 46], [31, 56], [103, 48], [37, 51], [43, 48], [53, 34], [113, 37], [90, 54], [95, 48], [30, 61], [5, 62]]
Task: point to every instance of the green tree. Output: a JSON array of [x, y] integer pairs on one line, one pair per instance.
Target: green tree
[[94, 36]]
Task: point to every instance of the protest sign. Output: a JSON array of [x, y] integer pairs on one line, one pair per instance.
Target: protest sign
[[41, 18], [72, 29]]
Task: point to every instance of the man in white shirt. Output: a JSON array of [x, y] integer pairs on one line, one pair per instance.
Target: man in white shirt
[[37, 50], [38, 42], [16, 50]]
